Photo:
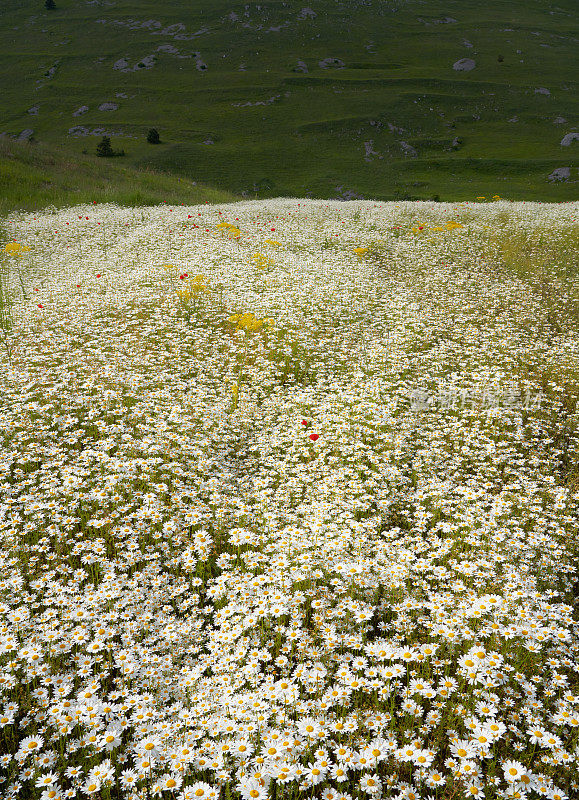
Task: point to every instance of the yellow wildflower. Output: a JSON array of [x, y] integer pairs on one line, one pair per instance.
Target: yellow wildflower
[[231, 228], [15, 249], [249, 322]]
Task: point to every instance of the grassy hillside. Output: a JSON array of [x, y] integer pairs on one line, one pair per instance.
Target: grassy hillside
[[35, 175], [359, 98]]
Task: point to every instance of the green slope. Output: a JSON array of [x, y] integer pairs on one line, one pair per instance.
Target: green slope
[[224, 84], [34, 175]]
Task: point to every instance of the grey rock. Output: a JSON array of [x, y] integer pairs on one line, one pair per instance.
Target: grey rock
[[542, 90], [171, 30], [34, 110], [559, 121], [395, 128], [560, 174], [347, 195], [331, 62], [568, 138], [464, 65], [78, 130], [25, 135], [79, 111], [408, 149], [108, 107], [369, 147]]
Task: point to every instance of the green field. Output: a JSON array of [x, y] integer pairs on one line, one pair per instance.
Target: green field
[[236, 110]]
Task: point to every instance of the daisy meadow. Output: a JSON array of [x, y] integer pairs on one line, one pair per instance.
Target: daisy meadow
[[290, 517]]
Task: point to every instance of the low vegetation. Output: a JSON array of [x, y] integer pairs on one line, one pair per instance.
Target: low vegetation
[[289, 501]]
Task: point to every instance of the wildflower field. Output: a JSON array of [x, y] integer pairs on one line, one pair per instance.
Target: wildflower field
[[289, 501]]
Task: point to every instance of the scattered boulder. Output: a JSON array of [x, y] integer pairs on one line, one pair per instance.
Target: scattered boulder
[[147, 62], [464, 65], [79, 111], [408, 149], [559, 121], [513, 119], [568, 138], [542, 90], [369, 147], [347, 195], [331, 62], [25, 135], [301, 67], [443, 21], [560, 174], [34, 110], [307, 12], [171, 30], [108, 107], [80, 130], [395, 128]]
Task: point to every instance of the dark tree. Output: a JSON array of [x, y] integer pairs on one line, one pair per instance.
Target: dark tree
[[50, 5], [153, 136], [104, 148]]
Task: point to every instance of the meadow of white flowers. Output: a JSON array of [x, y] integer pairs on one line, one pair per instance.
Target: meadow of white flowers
[[279, 514]]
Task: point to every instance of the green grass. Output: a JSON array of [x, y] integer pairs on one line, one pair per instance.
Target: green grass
[[34, 176], [302, 134]]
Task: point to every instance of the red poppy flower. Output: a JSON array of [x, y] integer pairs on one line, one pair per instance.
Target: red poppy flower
[[40, 305], [78, 285], [314, 436], [98, 276]]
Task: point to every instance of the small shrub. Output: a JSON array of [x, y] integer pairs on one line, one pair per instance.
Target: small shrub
[[104, 149]]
